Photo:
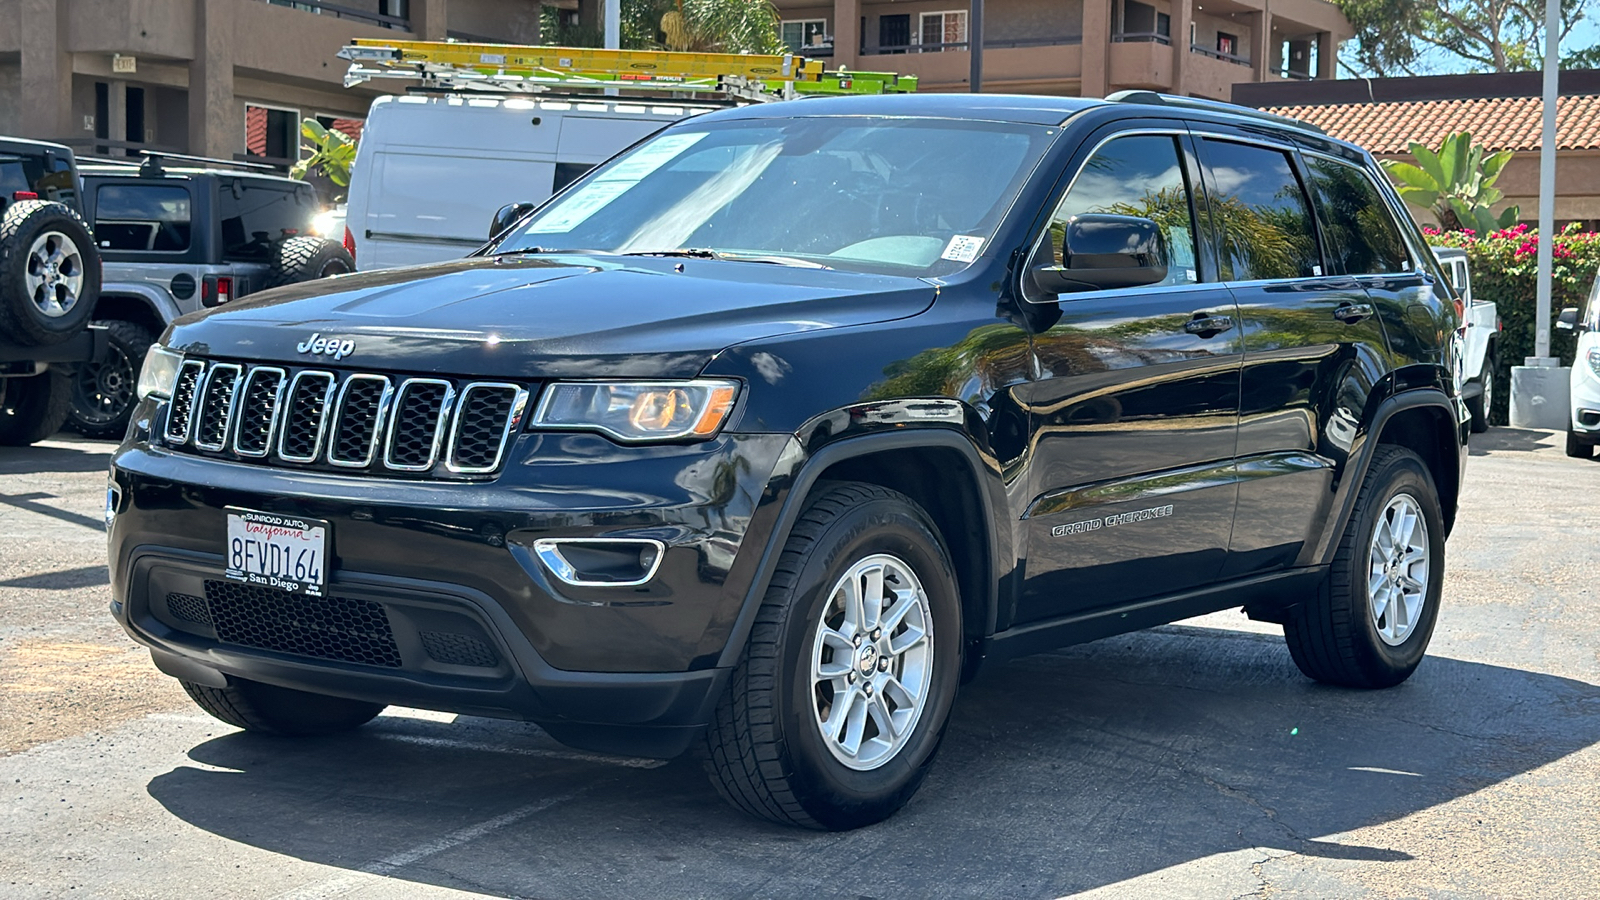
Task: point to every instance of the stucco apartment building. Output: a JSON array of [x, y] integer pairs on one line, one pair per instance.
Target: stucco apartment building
[[220, 78], [1077, 47]]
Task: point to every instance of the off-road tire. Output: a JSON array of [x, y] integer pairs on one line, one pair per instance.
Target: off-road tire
[[763, 751], [1332, 636], [1479, 406], [21, 320], [99, 408], [32, 409], [1579, 447], [269, 709], [307, 258]]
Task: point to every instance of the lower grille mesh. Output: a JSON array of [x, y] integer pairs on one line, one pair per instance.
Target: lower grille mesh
[[189, 608], [337, 628], [458, 649]]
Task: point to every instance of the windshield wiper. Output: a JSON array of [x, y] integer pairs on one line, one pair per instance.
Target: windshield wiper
[[706, 253]]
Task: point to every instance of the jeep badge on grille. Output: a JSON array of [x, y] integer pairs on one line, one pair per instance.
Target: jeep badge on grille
[[326, 346]]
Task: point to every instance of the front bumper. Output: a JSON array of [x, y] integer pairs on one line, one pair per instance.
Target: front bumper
[[1584, 415], [435, 598]]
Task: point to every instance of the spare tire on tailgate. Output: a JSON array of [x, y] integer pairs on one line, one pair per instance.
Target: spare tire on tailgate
[[307, 258], [49, 273]]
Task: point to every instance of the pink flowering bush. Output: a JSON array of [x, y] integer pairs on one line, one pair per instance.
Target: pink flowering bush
[[1504, 267]]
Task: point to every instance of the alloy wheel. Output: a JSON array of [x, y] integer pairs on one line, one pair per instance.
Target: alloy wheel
[[55, 274], [1397, 583]]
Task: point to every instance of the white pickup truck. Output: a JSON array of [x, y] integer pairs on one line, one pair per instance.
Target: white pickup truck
[[1481, 342]]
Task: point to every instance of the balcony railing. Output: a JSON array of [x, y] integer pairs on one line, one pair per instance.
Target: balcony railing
[[1217, 54], [337, 11], [1140, 37], [889, 49]]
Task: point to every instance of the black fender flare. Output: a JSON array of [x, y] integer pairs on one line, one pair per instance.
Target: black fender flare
[[1360, 461], [805, 478]]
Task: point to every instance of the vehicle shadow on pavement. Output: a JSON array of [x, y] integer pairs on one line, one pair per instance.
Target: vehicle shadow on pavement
[[57, 459], [1516, 439], [1060, 772]]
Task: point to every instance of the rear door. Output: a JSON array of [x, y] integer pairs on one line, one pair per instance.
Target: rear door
[[1134, 405], [1313, 346]]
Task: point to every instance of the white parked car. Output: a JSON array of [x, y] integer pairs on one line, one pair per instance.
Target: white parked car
[[1480, 322], [1583, 424], [432, 171]]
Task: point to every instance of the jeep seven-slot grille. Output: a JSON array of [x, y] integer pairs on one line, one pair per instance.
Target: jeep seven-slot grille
[[344, 421]]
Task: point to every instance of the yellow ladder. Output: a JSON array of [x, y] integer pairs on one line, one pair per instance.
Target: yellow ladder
[[512, 67]]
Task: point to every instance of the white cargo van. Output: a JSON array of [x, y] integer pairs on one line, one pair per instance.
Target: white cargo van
[[432, 170]]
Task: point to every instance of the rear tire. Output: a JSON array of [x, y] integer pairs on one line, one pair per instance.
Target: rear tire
[[1578, 447], [308, 258], [33, 408], [269, 709], [49, 273], [770, 751], [1482, 406], [1362, 629], [104, 392]]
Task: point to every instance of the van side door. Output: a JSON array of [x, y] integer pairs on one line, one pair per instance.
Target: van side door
[[1135, 397]]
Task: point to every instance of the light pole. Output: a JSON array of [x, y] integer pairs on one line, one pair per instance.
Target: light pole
[[1540, 391], [975, 47]]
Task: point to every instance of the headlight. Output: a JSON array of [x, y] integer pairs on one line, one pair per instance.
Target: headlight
[[639, 410], [160, 370], [1594, 362]]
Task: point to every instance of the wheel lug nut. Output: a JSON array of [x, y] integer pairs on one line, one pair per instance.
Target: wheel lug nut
[[857, 640], [883, 664], [850, 678], [868, 689], [877, 633]]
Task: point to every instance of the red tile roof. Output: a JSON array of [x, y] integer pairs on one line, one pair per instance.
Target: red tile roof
[[1502, 123]]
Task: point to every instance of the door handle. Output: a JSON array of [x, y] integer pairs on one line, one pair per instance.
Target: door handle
[[1208, 326], [1351, 313]]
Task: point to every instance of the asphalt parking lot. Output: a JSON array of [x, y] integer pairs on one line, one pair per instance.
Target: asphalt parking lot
[[1190, 761]]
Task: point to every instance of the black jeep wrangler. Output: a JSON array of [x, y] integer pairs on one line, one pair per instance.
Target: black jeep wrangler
[[49, 282], [765, 435]]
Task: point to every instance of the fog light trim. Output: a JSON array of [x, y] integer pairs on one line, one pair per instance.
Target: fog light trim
[[550, 553]]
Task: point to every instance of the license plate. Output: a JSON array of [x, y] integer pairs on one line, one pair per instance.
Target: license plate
[[288, 553]]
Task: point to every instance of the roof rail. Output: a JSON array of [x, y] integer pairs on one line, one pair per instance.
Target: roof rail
[[153, 159], [1152, 98]]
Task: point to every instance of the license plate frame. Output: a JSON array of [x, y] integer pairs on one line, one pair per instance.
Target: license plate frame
[[278, 551]]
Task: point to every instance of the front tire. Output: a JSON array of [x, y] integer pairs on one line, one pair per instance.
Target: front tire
[[833, 715], [104, 391], [1482, 406], [1371, 621], [1578, 447], [269, 709]]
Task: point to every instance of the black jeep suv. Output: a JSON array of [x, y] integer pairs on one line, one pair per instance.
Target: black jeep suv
[[765, 435]]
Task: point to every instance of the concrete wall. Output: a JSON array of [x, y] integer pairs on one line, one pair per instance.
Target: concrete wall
[[503, 21], [10, 85]]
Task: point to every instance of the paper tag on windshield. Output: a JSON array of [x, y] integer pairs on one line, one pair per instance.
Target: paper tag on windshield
[[962, 248]]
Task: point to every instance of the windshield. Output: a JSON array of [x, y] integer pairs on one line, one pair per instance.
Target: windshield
[[886, 195]]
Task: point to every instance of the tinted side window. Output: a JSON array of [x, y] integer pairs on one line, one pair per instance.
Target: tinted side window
[[1262, 220], [1362, 236], [142, 217], [254, 217], [1139, 175], [51, 180]]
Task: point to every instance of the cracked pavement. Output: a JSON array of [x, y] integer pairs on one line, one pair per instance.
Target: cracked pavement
[[1188, 761]]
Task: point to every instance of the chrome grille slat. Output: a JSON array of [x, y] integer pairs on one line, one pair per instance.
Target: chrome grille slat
[[421, 412], [305, 417], [257, 419], [358, 420], [215, 406], [180, 411], [485, 418]]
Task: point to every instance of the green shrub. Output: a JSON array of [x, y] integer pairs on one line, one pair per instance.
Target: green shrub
[[1505, 272]]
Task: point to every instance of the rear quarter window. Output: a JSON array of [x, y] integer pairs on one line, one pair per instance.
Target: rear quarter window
[[149, 217], [1362, 236], [255, 217]]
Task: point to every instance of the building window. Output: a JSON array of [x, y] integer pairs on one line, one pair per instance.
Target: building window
[[1227, 44], [272, 133], [800, 34], [942, 29], [1164, 25]]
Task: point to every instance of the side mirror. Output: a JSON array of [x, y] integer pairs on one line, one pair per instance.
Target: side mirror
[[1568, 320], [508, 216], [1104, 251]]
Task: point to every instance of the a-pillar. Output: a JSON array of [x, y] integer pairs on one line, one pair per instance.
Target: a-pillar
[[216, 122], [847, 33], [1096, 48], [1261, 47], [46, 71], [428, 20], [1182, 15]]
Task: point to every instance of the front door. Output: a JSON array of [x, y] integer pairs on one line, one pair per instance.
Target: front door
[[1134, 405]]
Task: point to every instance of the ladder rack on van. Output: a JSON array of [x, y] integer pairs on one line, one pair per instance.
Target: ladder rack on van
[[447, 65]]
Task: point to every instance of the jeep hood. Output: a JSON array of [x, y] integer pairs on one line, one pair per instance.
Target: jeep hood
[[567, 316]]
